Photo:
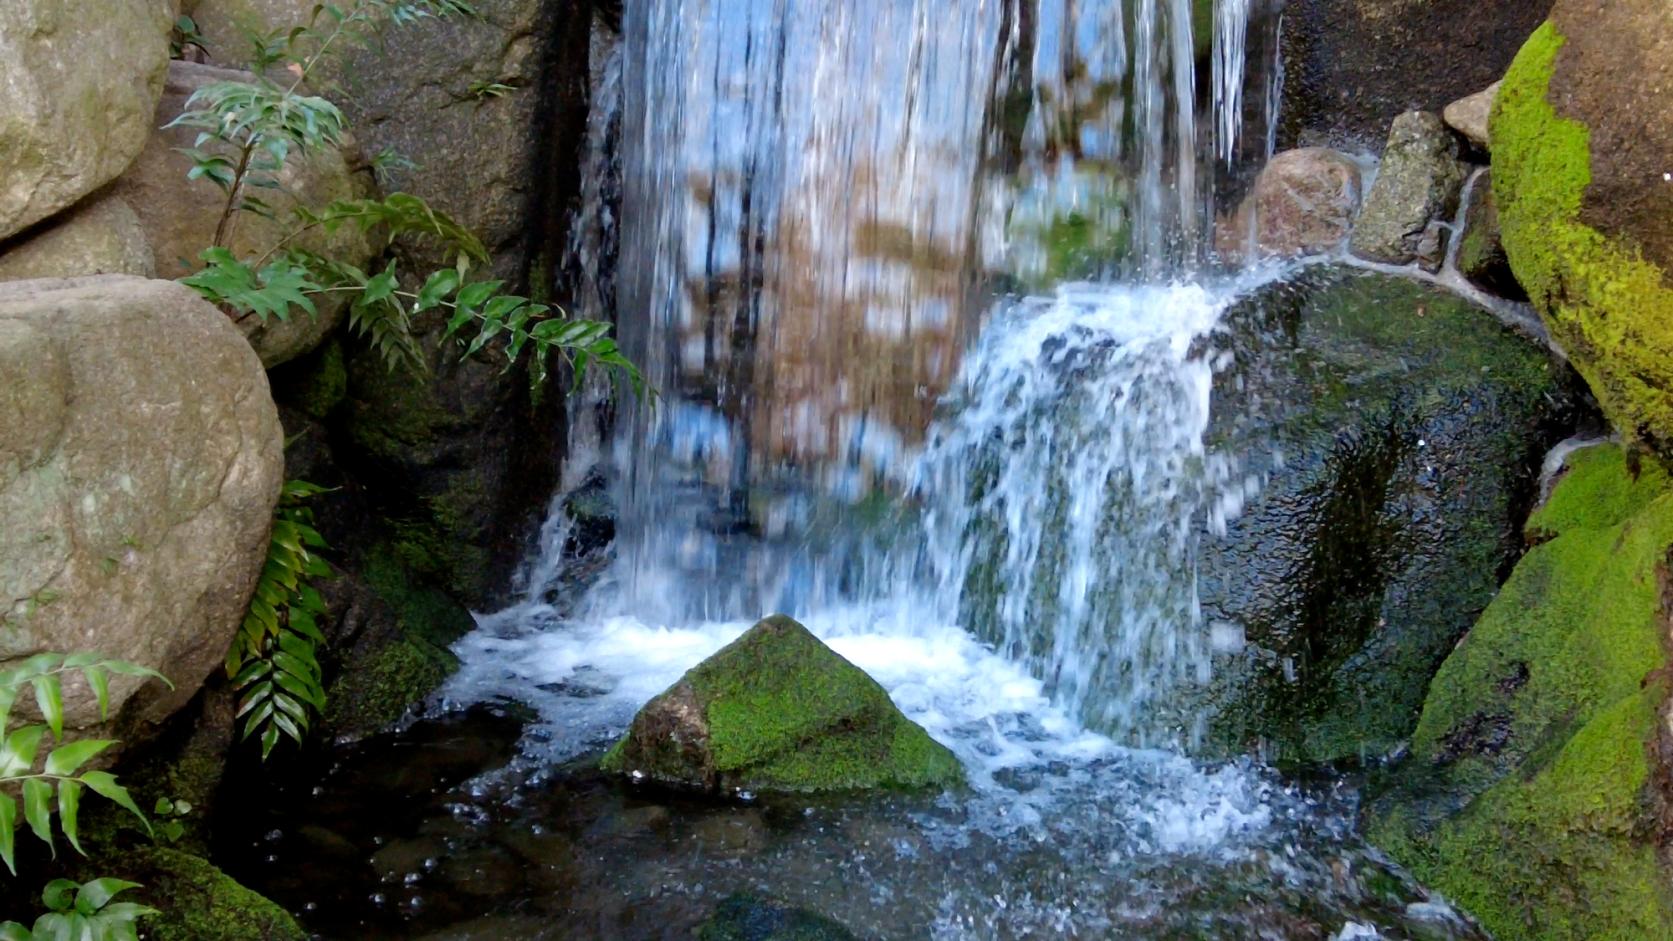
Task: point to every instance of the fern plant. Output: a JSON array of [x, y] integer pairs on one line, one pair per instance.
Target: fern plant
[[248, 131], [82, 912], [274, 660], [55, 785]]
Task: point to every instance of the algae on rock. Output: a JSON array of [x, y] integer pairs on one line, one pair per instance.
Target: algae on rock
[[1603, 295], [778, 710], [1528, 794]]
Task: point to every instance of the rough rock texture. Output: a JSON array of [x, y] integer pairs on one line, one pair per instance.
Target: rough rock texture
[[1417, 183], [199, 902], [1532, 791], [1399, 432], [1469, 116], [100, 235], [180, 216], [1303, 203], [1351, 66], [1481, 251], [778, 710], [140, 460], [1581, 131], [75, 101]]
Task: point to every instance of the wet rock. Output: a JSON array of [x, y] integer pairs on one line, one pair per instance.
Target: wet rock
[[745, 917], [1303, 203], [1481, 253], [197, 901], [100, 235], [180, 216], [778, 710], [1418, 183], [1395, 434], [1351, 66], [1581, 134], [1537, 779], [1468, 116], [140, 460], [78, 83], [1431, 248]]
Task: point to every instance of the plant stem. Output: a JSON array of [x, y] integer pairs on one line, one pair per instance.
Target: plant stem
[[223, 228]]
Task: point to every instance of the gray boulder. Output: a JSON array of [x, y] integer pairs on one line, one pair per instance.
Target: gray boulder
[[140, 460], [79, 81], [101, 235], [1418, 183]]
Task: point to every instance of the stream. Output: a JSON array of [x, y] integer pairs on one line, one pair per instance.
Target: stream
[[895, 408]]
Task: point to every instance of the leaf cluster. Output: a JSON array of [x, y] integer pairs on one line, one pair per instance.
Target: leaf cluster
[[82, 912], [274, 660], [60, 784]]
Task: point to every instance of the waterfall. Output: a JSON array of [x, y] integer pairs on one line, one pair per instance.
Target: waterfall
[[815, 203]]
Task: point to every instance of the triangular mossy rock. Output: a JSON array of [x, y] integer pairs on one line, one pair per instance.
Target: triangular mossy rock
[[779, 710]]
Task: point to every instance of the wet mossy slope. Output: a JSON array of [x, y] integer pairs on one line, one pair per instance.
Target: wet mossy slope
[[1531, 794]]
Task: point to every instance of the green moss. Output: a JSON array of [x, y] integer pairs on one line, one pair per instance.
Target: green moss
[[745, 917], [785, 712], [375, 686], [199, 902], [1610, 308], [320, 382], [1524, 795]]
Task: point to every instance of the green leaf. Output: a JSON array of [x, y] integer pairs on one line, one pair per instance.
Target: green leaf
[[95, 895], [49, 698], [69, 810], [133, 669], [104, 784], [8, 696], [17, 756], [8, 831], [254, 670], [66, 760], [437, 289], [12, 931], [269, 738], [98, 678], [59, 895], [37, 810]]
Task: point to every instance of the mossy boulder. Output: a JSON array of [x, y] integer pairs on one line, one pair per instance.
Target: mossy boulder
[[1581, 131], [199, 902], [1533, 794], [778, 710], [1396, 433]]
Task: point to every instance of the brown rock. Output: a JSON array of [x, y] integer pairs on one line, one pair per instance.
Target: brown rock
[[140, 460], [1303, 203], [1468, 116], [101, 235]]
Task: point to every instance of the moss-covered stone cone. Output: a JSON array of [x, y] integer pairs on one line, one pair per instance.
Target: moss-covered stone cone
[[1579, 164], [1533, 795], [1397, 432], [778, 710]]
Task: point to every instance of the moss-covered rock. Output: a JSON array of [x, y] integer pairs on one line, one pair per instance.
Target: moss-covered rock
[[199, 902], [393, 644], [1579, 154], [1398, 433], [779, 710], [1529, 796]]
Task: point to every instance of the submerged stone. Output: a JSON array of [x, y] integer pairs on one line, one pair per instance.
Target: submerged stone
[[744, 917], [779, 710], [1536, 791], [1389, 436]]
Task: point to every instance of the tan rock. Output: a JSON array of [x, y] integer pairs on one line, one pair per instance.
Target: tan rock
[[79, 81], [180, 216], [101, 235], [140, 460], [1468, 116], [1303, 203]]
